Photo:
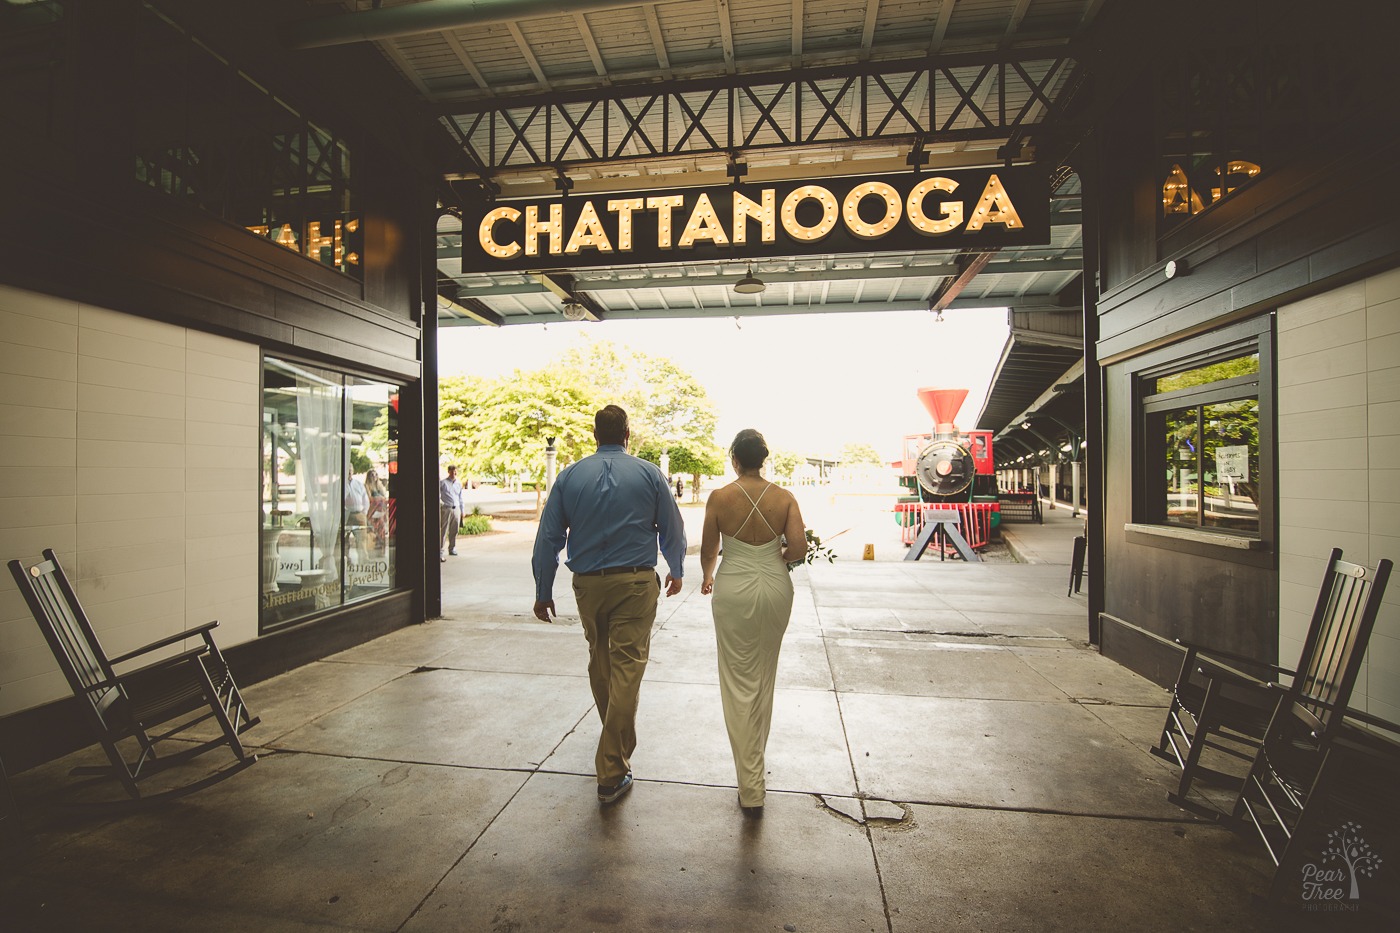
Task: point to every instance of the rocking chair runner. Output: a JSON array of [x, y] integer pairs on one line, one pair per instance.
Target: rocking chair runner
[[1318, 781], [1212, 700], [195, 682]]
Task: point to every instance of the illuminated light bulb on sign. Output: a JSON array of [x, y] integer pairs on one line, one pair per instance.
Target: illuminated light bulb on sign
[[534, 227], [746, 208], [588, 232], [486, 233], [994, 196], [823, 226], [952, 210], [624, 207], [850, 210], [703, 225], [663, 207]]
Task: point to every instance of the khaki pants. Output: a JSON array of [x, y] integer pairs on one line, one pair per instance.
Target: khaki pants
[[617, 612], [449, 520]]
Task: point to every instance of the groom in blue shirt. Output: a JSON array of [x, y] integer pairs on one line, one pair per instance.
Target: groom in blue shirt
[[611, 509]]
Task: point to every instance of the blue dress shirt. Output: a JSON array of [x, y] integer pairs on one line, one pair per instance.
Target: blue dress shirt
[[610, 508]]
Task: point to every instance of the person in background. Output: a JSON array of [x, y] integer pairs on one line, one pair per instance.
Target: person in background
[[762, 530], [357, 515], [611, 509], [449, 514], [378, 514]]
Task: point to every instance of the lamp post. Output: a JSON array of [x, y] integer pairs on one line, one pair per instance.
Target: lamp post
[[550, 455]]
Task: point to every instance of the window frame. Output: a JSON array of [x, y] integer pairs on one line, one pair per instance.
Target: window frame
[[1148, 522], [347, 378]]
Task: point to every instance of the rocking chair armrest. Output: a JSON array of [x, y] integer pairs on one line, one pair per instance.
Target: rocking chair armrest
[[1379, 751], [167, 640], [1214, 669], [1206, 651], [1371, 720], [174, 659]]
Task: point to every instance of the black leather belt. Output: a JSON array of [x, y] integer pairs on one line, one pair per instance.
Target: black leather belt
[[609, 571]]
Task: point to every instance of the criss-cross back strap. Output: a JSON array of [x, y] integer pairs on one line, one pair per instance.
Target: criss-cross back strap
[[753, 508]]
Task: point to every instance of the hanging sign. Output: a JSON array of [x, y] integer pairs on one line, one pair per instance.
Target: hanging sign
[[971, 209]]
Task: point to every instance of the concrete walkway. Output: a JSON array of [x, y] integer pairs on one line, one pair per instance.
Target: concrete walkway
[[946, 754]]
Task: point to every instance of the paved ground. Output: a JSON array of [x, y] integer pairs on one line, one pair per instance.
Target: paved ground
[[947, 754]]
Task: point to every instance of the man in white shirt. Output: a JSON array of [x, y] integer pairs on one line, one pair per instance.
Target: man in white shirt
[[449, 514], [357, 515]]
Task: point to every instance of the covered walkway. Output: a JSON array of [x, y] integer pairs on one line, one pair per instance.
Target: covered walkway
[[947, 754]]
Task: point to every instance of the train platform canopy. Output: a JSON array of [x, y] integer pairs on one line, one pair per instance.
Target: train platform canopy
[[597, 96], [593, 99]]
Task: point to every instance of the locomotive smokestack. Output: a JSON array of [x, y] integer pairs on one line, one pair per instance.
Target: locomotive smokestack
[[943, 405]]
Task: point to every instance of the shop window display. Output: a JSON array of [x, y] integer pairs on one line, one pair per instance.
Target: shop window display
[[329, 471]]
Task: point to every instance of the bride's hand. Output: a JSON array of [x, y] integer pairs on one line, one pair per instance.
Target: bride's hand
[[708, 586]]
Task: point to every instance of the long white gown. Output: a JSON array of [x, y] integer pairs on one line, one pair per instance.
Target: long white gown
[[752, 604]]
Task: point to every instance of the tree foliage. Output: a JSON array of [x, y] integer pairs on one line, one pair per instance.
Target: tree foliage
[[785, 463], [695, 463], [497, 427], [857, 454], [665, 404]]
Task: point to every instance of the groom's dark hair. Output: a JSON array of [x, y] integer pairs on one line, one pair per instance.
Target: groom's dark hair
[[749, 448], [610, 425]]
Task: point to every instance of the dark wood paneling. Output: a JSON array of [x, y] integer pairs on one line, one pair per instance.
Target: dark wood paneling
[[1212, 594], [1139, 651], [46, 732], [324, 635], [1296, 233]]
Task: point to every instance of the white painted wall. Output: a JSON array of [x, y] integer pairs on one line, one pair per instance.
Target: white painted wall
[[1339, 463], [131, 448]]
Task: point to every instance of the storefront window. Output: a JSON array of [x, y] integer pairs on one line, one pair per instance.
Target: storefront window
[[329, 468], [1202, 433]]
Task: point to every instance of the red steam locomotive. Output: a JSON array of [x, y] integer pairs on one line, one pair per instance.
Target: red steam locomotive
[[950, 469]]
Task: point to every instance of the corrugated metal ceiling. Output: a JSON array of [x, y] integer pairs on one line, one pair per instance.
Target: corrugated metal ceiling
[[531, 53]]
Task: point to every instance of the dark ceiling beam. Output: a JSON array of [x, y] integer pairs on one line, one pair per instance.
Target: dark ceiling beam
[[1009, 267], [969, 269], [429, 16], [459, 313], [735, 311]]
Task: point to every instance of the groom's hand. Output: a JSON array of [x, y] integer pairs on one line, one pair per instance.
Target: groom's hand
[[543, 609], [673, 585]]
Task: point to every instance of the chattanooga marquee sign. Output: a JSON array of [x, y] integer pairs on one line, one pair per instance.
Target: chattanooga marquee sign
[[975, 209]]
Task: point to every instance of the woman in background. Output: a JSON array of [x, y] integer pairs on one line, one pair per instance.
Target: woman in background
[[762, 530], [378, 513]]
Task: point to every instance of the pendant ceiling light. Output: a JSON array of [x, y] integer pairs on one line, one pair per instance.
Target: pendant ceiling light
[[749, 285]]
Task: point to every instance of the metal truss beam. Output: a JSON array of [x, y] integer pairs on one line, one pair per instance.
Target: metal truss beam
[[700, 280], [939, 99], [660, 313]]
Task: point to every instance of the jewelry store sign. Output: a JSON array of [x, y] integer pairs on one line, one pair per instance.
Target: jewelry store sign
[[973, 209]]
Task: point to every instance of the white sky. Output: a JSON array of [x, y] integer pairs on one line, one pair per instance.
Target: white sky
[[810, 382]]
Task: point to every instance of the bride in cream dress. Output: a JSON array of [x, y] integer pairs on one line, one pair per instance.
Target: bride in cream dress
[[761, 529]]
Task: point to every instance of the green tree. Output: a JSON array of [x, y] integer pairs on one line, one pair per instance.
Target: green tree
[[785, 463], [498, 427], [665, 404], [857, 454], [460, 399], [695, 464]]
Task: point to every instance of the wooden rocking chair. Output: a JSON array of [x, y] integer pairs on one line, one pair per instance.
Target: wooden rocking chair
[[184, 689], [1213, 700]]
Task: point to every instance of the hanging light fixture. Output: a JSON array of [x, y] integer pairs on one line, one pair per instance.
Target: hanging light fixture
[[574, 310], [749, 285]]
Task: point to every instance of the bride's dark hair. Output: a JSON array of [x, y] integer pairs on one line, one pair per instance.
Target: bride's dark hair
[[749, 449]]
